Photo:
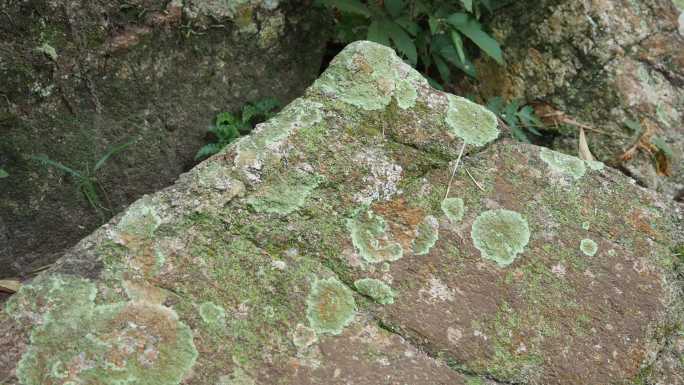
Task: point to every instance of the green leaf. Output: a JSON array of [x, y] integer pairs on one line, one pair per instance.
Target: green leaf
[[433, 23], [115, 150], [496, 105], [458, 19], [468, 5], [3, 173], [208, 150], [473, 30], [403, 42], [410, 26], [633, 125], [529, 118], [394, 7], [519, 134], [49, 162], [263, 107], [458, 44], [442, 68], [226, 118], [378, 34], [434, 83], [348, 6]]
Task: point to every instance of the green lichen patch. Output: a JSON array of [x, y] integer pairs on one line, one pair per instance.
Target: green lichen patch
[[367, 75], [379, 291], [427, 234], [595, 165], [453, 208], [303, 336], [588, 247], [370, 236], [470, 121], [109, 344], [286, 194], [500, 235], [140, 220], [212, 314], [562, 163], [330, 306]]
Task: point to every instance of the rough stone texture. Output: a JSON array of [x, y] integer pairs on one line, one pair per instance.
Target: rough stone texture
[[272, 296], [78, 77], [601, 62]]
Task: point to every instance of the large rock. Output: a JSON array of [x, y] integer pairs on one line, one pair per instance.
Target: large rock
[[603, 63], [322, 250], [79, 77]]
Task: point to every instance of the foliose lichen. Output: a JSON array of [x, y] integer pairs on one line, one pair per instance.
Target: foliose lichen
[[379, 291], [367, 75], [562, 163], [330, 306], [212, 314], [588, 247], [595, 165], [470, 121], [427, 234], [286, 195], [303, 336], [141, 220], [453, 208], [76, 341], [370, 237], [500, 235]]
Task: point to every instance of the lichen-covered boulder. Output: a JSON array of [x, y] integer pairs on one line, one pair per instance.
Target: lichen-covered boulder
[[328, 248], [615, 66], [79, 77]]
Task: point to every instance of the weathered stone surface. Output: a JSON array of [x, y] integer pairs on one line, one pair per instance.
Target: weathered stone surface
[[259, 275], [79, 77], [602, 63]]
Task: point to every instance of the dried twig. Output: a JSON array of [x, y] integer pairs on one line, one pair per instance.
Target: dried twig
[[458, 160], [474, 181]]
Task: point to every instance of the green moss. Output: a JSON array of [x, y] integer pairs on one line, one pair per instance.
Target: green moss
[[376, 289], [212, 314], [109, 344], [369, 236], [286, 194], [588, 247], [453, 208], [427, 234], [330, 306], [562, 163], [500, 235], [470, 121], [367, 75]]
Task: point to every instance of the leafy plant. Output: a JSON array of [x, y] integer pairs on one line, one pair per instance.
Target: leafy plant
[[86, 180], [428, 33], [520, 118], [3, 173], [229, 127]]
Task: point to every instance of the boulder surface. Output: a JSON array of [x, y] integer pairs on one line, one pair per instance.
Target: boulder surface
[[336, 245]]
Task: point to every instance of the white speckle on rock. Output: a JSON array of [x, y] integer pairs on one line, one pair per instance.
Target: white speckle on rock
[[438, 291], [381, 181], [559, 270], [454, 335]]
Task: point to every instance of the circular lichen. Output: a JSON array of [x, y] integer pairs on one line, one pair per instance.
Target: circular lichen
[[453, 208], [500, 235], [470, 121], [370, 237], [108, 344], [376, 289], [330, 306], [588, 247], [562, 163], [141, 219], [212, 314], [427, 234]]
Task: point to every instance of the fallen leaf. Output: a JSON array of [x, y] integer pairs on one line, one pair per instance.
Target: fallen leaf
[[10, 285], [584, 152]]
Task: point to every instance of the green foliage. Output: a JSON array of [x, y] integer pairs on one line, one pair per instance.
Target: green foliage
[[429, 34], [519, 117], [86, 180], [229, 127], [3, 173]]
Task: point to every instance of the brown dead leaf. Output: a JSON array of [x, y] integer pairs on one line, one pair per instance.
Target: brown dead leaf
[[584, 152]]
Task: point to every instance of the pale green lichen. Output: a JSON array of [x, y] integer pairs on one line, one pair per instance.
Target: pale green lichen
[[75, 341], [379, 291], [212, 314], [470, 121], [427, 234], [588, 247], [303, 336], [453, 208], [500, 235], [141, 220], [367, 75], [585, 225], [48, 51], [285, 195], [595, 165], [370, 237], [562, 163], [330, 306]]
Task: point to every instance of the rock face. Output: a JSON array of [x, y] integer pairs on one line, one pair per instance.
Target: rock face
[[322, 250], [80, 77], [604, 63]]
